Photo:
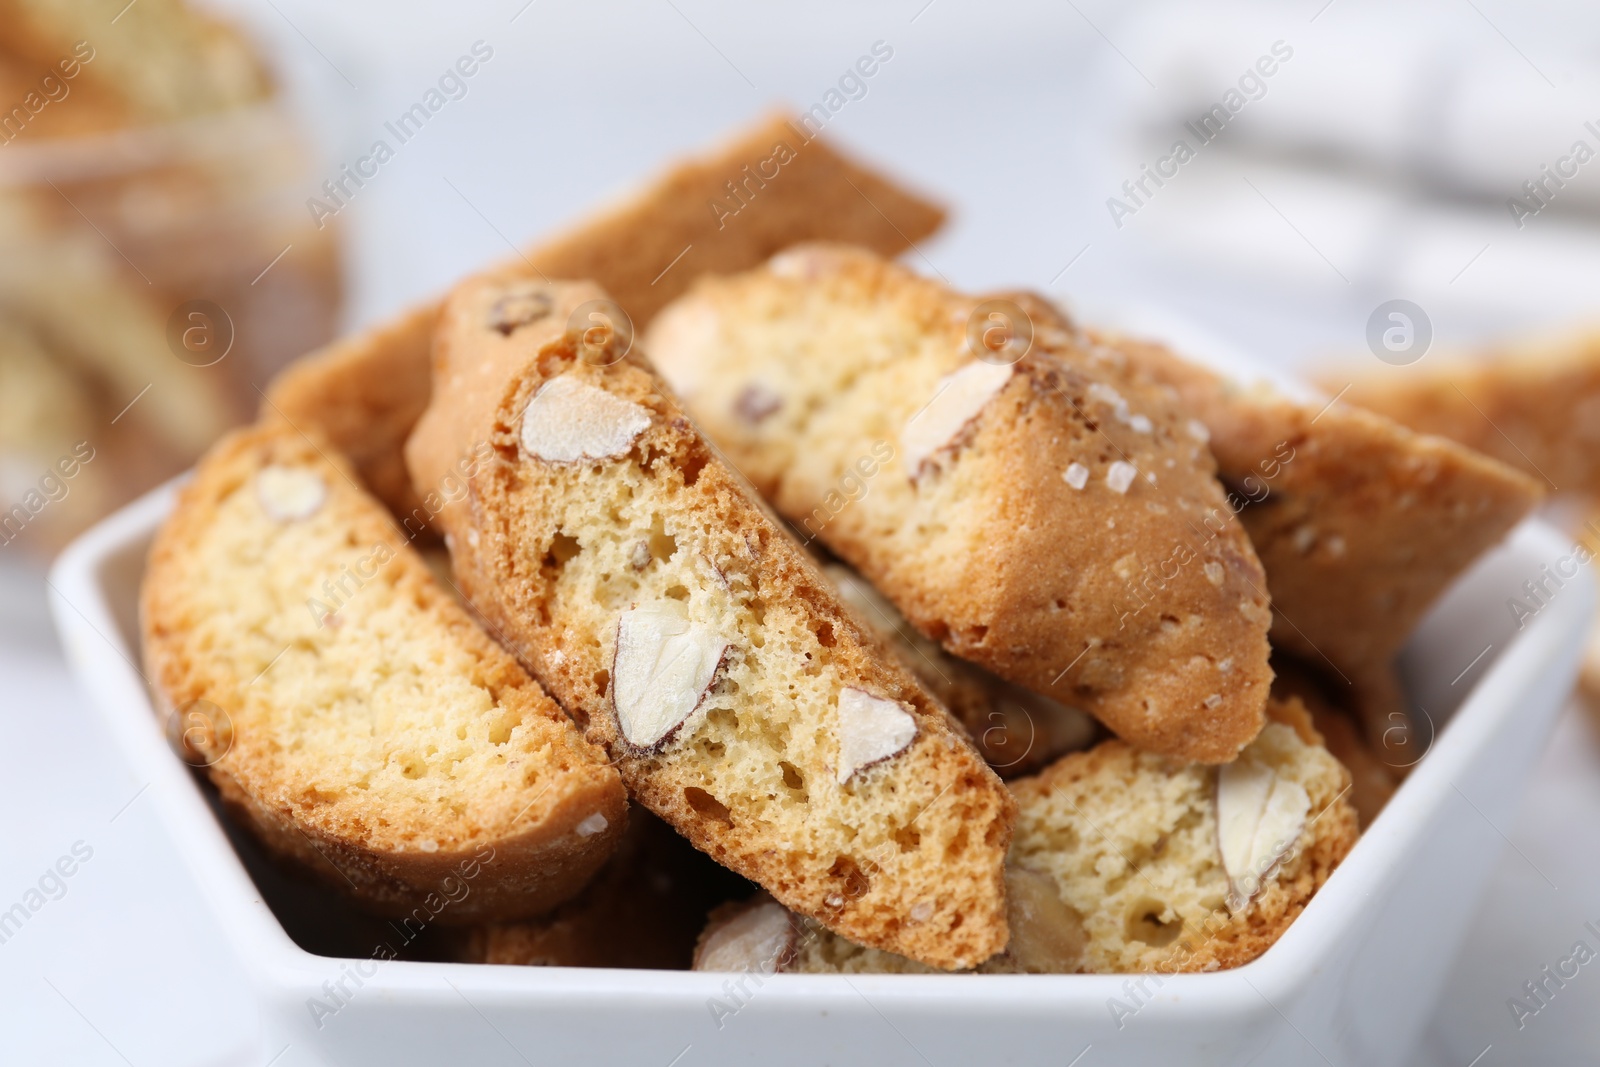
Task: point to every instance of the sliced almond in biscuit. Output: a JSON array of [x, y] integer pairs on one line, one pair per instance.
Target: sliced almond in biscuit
[[957, 401], [663, 666], [568, 421], [1259, 818], [760, 939], [871, 729], [289, 494]]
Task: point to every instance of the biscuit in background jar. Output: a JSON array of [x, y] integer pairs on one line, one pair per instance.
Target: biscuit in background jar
[[155, 256]]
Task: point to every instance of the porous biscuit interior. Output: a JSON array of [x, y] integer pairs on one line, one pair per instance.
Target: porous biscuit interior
[[1130, 842], [1140, 601], [360, 695]]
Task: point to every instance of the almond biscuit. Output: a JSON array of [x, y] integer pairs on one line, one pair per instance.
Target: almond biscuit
[[348, 709], [642, 582], [1361, 523], [1037, 512], [1534, 406]]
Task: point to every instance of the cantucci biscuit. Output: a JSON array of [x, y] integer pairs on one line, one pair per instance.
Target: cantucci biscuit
[[1534, 406], [726, 210], [642, 582], [347, 707], [1123, 861], [1589, 679], [1361, 523], [1018, 731], [645, 586], [1038, 513]]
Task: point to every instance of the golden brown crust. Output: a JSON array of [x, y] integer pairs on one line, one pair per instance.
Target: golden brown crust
[[817, 194], [366, 392], [1141, 603], [1360, 523], [932, 890], [94, 108], [512, 838], [1535, 407]]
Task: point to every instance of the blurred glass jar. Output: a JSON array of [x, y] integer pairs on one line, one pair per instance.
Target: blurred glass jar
[[151, 280]]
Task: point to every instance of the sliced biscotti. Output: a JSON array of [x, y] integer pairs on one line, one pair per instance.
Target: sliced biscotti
[[1126, 861], [1534, 406], [726, 210], [1034, 511], [164, 60], [348, 708], [643, 583], [1360, 523], [1018, 731]]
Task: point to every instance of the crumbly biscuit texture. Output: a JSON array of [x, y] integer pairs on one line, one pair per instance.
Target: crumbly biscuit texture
[[1117, 862], [368, 728], [1045, 517], [367, 392], [364, 393], [642, 582]]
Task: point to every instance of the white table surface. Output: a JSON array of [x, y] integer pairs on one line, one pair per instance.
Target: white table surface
[[1019, 119]]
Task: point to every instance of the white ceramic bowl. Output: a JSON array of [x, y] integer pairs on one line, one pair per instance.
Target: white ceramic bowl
[[1350, 982]]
